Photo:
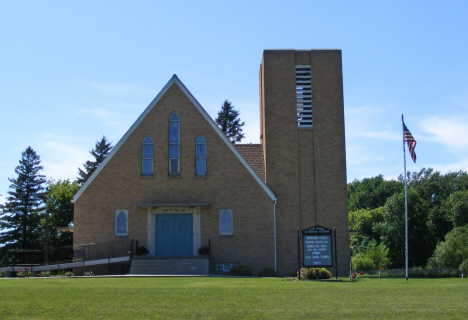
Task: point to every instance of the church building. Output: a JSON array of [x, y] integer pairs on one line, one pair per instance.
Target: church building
[[176, 184]]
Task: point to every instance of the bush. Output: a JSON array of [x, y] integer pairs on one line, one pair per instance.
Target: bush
[[355, 277], [65, 273], [371, 257], [2, 274], [421, 273], [452, 252], [315, 273], [240, 270], [44, 274], [88, 273], [268, 272], [141, 251], [23, 273]]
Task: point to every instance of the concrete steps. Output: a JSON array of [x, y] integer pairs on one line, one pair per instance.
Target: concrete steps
[[197, 265]]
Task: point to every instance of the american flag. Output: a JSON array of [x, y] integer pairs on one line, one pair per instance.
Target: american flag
[[410, 141]]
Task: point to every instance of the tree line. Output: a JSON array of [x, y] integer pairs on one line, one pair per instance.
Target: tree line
[[35, 207], [437, 220]]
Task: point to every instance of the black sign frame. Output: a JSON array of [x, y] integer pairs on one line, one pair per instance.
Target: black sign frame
[[322, 235]]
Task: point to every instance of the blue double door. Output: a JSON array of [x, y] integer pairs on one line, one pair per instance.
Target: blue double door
[[174, 235]]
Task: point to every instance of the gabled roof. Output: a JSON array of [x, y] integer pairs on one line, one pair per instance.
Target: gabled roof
[[175, 80], [253, 154]]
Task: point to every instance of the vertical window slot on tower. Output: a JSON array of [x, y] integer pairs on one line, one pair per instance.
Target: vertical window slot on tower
[[303, 97]]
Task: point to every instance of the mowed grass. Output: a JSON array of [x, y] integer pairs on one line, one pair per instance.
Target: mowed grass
[[228, 298]]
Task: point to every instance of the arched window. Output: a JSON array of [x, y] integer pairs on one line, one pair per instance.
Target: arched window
[[147, 157], [200, 156], [174, 144], [225, 222], [121, 222]]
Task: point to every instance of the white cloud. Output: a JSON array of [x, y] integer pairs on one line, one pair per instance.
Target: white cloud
[[453, 167], [371, 121], [452, 132], [61, 156], [112, 119]]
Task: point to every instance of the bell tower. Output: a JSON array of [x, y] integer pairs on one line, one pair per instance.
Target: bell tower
[[303, 138]]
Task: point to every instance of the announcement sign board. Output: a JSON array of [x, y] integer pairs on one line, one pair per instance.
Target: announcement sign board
[[317, 244]]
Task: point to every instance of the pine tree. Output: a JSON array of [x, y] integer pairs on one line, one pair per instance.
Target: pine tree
[[21, 214], [100, 152], [229, 122]]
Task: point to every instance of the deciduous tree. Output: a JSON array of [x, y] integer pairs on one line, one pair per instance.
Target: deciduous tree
[[421, 241], [371, 193], [453, 251], [58, 198], [457, 208]]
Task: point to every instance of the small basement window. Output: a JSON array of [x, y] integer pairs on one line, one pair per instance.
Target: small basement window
[[223, 268], [303, 97]]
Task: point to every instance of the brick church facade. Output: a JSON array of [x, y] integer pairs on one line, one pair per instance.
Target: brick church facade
[[176, 184]]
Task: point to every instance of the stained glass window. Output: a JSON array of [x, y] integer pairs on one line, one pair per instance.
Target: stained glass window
[[200, 156], [147, 157], [121, 222], [225, 222], [174, 144]]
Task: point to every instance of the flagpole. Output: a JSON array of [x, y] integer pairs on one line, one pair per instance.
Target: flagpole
[[406, 200]]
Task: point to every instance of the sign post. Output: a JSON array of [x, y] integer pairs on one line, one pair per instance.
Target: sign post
[[336, 254], [298, 256]]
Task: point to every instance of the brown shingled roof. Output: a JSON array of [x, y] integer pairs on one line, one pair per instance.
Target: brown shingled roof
[[253, 154]]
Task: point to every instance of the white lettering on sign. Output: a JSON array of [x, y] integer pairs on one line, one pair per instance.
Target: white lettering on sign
[[317, 250]]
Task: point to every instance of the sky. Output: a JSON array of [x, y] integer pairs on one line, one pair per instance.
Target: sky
[[71, 72]]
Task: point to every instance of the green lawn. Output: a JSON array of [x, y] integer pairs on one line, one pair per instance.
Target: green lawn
[[227, 298]]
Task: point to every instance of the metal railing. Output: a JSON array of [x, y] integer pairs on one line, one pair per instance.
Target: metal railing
[[67, 254], [104, 250]]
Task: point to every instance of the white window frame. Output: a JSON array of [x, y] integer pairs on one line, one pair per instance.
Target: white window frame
[[116, 214], [228, 233]]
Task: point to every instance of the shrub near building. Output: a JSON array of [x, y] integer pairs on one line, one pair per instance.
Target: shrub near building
[[315, 273]]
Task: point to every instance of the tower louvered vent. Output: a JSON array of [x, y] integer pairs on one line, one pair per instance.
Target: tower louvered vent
[[303, 97]]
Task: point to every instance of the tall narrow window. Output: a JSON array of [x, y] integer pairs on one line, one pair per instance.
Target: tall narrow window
[[200, 156], [121, 222], [303, 97], [174, 144], [147, 157], [225, 222]]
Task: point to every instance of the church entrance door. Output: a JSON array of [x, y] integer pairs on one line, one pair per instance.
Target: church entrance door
[[174, 235]]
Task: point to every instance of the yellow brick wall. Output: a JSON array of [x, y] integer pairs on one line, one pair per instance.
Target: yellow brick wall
[[228, 185], [306, 168]]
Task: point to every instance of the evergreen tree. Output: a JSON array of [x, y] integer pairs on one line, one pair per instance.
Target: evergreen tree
[[100, 152], [21, 214], [229, 122]]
